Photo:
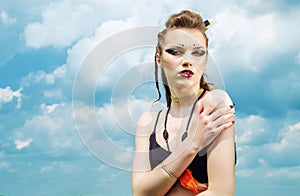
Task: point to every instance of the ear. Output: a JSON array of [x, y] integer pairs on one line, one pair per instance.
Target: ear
[[158, 59]]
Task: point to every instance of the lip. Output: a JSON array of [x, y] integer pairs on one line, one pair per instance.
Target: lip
[[186, 73]]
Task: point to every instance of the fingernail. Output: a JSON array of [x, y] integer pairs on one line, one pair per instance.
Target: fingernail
[[232, 106], [233, 122]]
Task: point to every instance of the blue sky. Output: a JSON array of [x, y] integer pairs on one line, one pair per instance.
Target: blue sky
[[44, 150]]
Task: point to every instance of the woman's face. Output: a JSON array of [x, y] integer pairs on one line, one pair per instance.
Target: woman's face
[[183, 57]]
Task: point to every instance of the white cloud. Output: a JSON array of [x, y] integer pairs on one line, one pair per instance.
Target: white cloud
[[295, 128], [248, 42], [234, 40], [258, 141], [135, 16], [118, 65], [253, 130], [81, 49], [108, 179], [6, 19], [62, 24], [102, 167], [122, 116], [7, 95], [46, 169], [55, 93], [298, 58], [245, 173], [111, 177], [47, 109], [4, 164], [67, 21], [41, 76], [233, 31], [109, 133], [265, 143], [53, 131], [61, 166], [282, 151], [65, 167], [285, 172], [23, 144], [78, 53], [142, 13], [57, 73]]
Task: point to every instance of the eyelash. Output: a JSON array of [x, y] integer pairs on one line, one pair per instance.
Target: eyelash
[[173, 51], [176, 52], [199, 53]]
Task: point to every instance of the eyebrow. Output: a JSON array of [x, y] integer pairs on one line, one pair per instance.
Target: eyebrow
[[199, 47], [182, 45]]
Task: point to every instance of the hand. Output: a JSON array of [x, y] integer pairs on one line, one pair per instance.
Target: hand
[[213, 116]]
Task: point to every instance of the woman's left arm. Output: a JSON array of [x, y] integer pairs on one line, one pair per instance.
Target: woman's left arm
[[221, 163]]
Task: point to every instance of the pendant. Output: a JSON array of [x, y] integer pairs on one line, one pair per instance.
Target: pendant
[[166, 135], [184, 135]]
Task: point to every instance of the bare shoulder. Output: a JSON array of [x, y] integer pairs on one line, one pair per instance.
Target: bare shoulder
[[143, 131], [146, 123], [219, 95]]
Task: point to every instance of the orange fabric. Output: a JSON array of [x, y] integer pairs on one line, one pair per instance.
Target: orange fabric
[[188, 181]]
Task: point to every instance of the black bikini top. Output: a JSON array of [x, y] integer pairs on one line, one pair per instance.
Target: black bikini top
[[157, 154]]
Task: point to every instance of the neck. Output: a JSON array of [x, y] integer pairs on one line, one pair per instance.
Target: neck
[[181, 105], [187, 97]]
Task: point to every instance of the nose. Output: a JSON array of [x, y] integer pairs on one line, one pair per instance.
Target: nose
[[186, 63]]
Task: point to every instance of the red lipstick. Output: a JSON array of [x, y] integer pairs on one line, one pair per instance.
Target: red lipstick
[[186, 73]]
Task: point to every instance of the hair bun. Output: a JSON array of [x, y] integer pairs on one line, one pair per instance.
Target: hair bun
[[186, 19]]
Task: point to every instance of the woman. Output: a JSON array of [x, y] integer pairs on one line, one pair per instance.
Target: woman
[[187, 149]]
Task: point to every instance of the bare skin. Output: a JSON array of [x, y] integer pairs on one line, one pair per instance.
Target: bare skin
[[212, 118]]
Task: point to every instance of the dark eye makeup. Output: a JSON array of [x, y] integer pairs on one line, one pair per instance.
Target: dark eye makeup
[[199, 53], [173, 51]]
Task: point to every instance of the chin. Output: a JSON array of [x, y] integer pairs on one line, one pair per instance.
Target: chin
[[187, 84]]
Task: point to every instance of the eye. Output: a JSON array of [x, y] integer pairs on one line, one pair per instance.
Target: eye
[[173, 51], [199, 53]]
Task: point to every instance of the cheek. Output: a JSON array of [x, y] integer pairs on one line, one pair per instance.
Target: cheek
[[170, 62], [200, 64]]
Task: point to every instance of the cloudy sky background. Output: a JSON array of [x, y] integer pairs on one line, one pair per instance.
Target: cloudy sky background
[[44, 151]]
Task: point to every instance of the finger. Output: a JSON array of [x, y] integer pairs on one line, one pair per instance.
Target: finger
[[212, 106], [220, 112], [226, 126], [229, 117], [200, 106], [208, 108], [214, 133]]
